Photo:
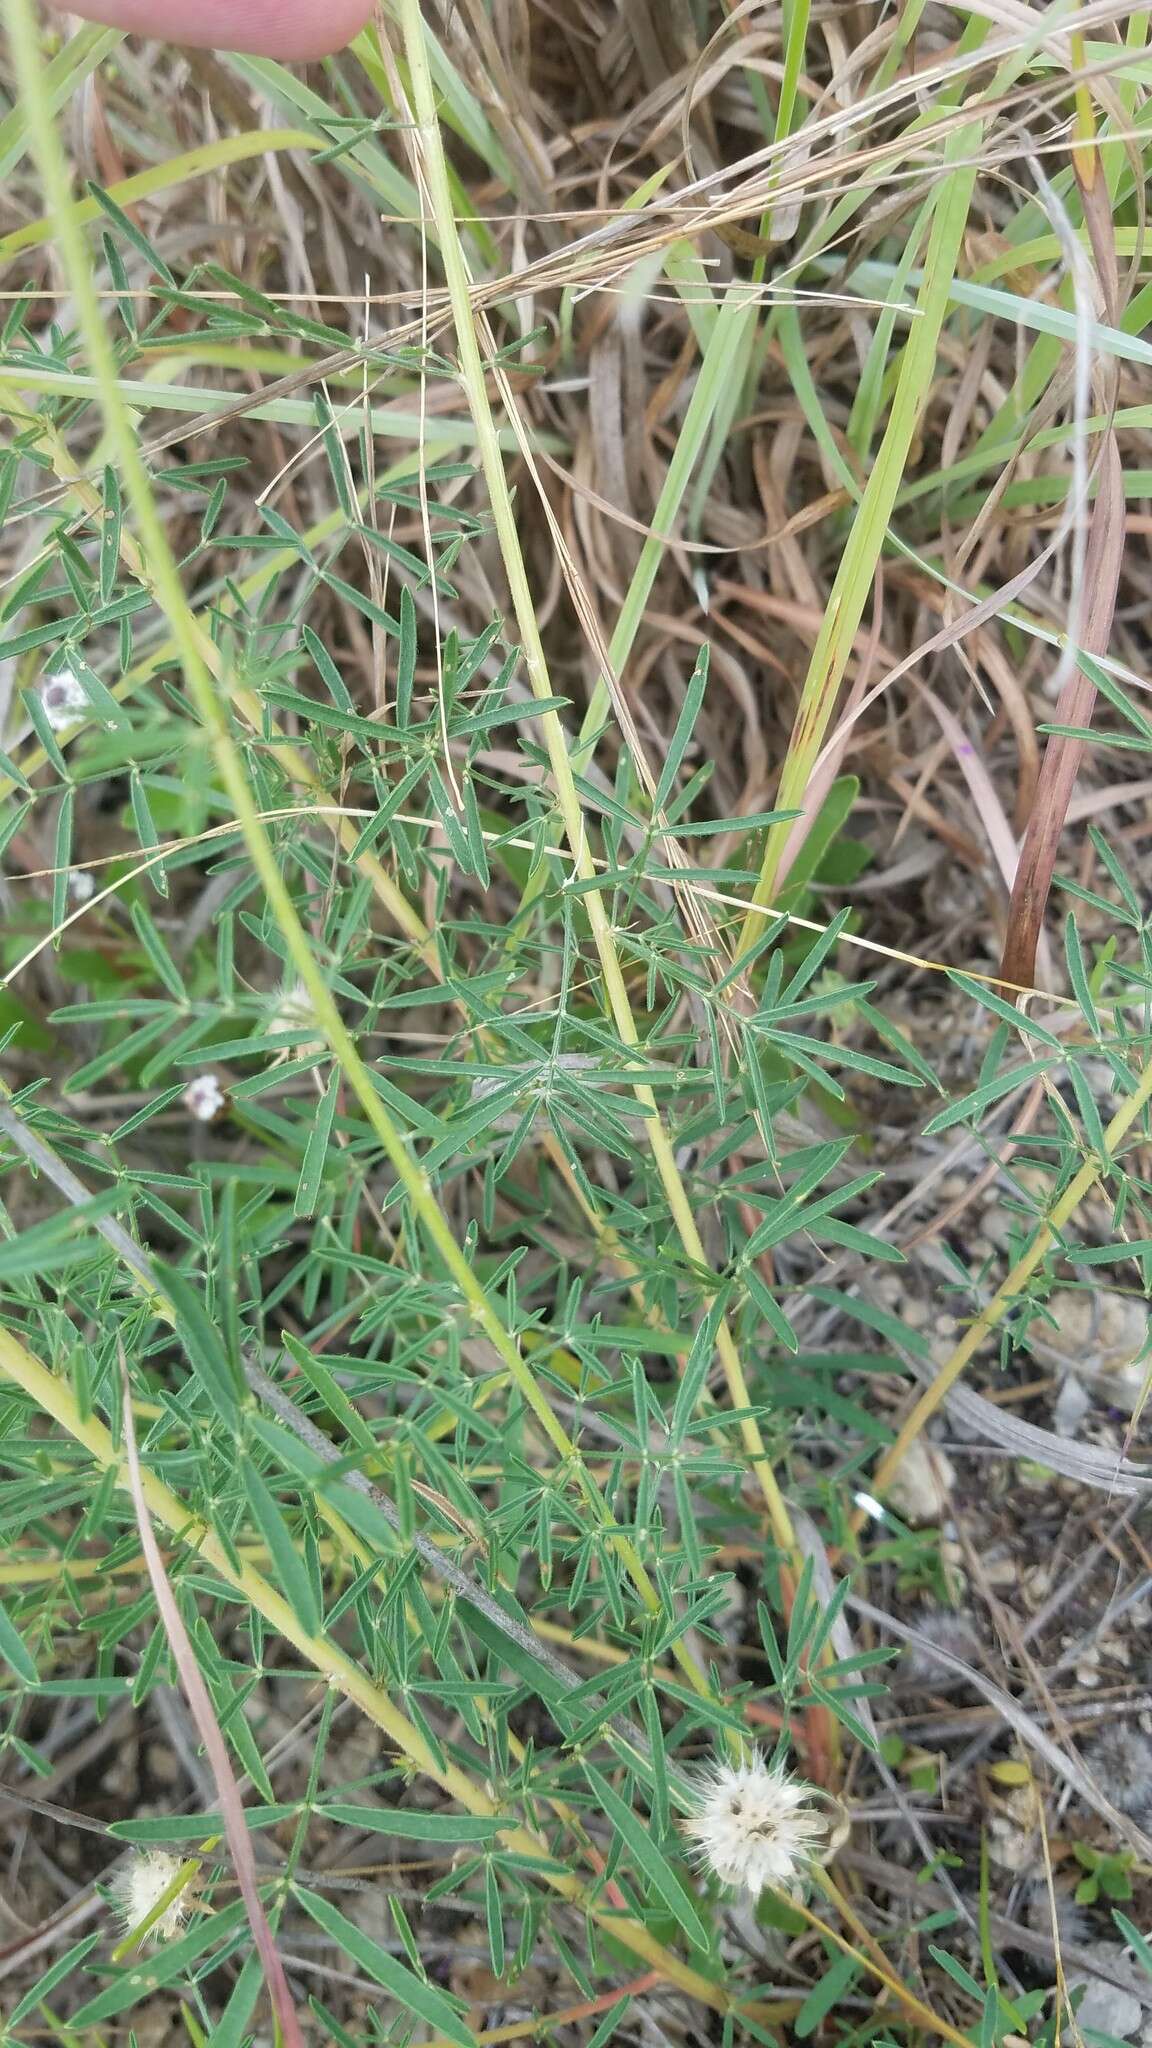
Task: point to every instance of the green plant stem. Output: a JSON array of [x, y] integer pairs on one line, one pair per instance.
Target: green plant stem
[[54, 1397], [294, 765], [849, 594], [472, 374], [207, 699], [870, 1959], [1008, 1294]]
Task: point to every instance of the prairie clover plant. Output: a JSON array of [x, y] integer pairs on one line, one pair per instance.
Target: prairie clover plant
[[470, 1121]]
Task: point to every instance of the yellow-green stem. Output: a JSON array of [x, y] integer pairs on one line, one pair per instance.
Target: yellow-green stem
[[54, 1397], [472, 374], [166, 586], [1008, 1294]]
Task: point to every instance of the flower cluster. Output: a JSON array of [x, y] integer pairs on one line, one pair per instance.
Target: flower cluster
[[294, 1010], [204, 1098], [755, 1825], [64, 699], [1120, 1760], [140, 1886]]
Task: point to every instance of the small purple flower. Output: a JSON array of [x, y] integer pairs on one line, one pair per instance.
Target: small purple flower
[[204, 1098], [64, 698]]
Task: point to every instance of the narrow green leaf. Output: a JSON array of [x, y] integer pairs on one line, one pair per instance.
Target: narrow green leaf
[[231, 2029], [58, 1971], [289, 1571], [316, 1150], [62, 856], [824, 1995], [1137, 1942], [131, 232], [14, 1650], [203, 1343], [146, 832], [405, 659], [990, 1091], [111, 523], [770, 1308], [648, 1858], [685, 727], [494, 1916], [410, 1824], [696, 1371], [331, 1393], [1078, 974], [979, 992], [327, 669], [432, 2007], [166, 969], [194, 1827]]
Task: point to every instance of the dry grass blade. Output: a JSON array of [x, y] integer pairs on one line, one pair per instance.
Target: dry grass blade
[[429, 609], [1086, 1463], [204, 1715], [1070, 1769], [1103, 559], [1063, 754]]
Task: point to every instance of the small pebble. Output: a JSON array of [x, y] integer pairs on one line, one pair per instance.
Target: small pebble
[[921, 1484]]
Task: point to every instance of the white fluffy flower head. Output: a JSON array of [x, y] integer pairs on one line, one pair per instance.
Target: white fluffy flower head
[[294, 1010], [140, 1886], [755, 1825], [204, 1098], [64, 699]]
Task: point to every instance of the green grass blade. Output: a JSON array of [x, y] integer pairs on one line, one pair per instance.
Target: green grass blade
[[713, 383], [432, 2007], [81, 55], [850, 591]]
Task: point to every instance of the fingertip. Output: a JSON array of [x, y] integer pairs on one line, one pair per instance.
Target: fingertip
[[299, 31], [295, 31]]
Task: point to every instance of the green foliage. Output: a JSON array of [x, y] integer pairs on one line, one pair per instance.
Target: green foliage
[[1106, 1874], [459, 1387]]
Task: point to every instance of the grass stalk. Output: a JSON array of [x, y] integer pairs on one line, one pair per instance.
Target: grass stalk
[[206, 691], [1009, 1292], [55, 1398], [849, 594], [473, 377]]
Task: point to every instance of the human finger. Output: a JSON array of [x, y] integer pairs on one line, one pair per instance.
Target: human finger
[[295, 30]]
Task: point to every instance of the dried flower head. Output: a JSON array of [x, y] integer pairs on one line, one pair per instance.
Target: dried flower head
[[64, 699], [141, 1884], [1072, 1924], [294, 1011], [755, 1825], [1120, 1760], [204, 1098], [948, 1629]]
